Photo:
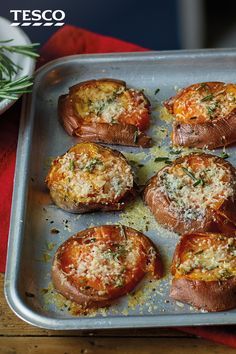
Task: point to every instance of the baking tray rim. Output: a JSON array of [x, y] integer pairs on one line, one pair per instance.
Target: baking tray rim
[[15, 240]]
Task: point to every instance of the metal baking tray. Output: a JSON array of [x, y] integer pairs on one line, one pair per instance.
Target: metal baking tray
[[35, 220]]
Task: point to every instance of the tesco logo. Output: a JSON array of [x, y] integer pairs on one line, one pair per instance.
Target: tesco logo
[[38, 17]]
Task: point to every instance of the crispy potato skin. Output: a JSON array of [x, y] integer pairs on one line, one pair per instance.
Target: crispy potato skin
[[85, 207], [66, 114], [90, 297], [222, 219], [127, 132], [118, 134], [212, 295], [211, 134], [198, 130]]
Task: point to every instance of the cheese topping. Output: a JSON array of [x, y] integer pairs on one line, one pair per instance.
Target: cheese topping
[[105, 258], [86, 177], [205, 102], [107, 263], [210, 258], [111, 107], [193, 189]]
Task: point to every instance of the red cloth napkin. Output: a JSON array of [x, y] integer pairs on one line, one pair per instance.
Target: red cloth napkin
[[67, 41]]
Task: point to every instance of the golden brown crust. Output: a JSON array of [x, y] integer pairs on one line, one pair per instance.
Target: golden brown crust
[[202, 287], [90, 83], [204, 115], [222, 218], [71, 202], [96, 291], [118, 115]]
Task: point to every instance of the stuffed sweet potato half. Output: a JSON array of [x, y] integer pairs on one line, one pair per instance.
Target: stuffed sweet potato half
[[90, 177], [106, 111], [204, 115], [100, 264], [204, 271], [196, 192]]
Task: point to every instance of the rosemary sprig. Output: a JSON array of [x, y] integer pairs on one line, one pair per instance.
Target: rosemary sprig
[[9, 88], [29, 50]]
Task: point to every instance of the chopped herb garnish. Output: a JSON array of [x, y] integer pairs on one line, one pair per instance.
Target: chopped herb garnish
[[92, 164], [135, 136], [224, 155], [199, 181], [162, 159], [175, 152], [207, 98], [72, 165], [211, 109], [191, 175], [156, 91]]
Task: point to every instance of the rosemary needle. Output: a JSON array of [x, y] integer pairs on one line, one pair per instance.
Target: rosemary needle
[[9, 88]]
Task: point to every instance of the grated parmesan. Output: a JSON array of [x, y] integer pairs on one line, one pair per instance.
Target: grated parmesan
[[96, 178], [190, 197]]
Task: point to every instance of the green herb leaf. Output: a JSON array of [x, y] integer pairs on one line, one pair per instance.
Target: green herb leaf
[[190, 174], [162, 159], [175, 152], [156, 91], [224, 155], [199, 181], [92, 164], [72, 165], [207, 98], [11, 89]]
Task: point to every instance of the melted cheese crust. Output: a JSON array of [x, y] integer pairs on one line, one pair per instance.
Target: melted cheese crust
[[208, 258], [100, 103], [102, 263], [204, 102], [107, 263], [90, 173], [196, 185]]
